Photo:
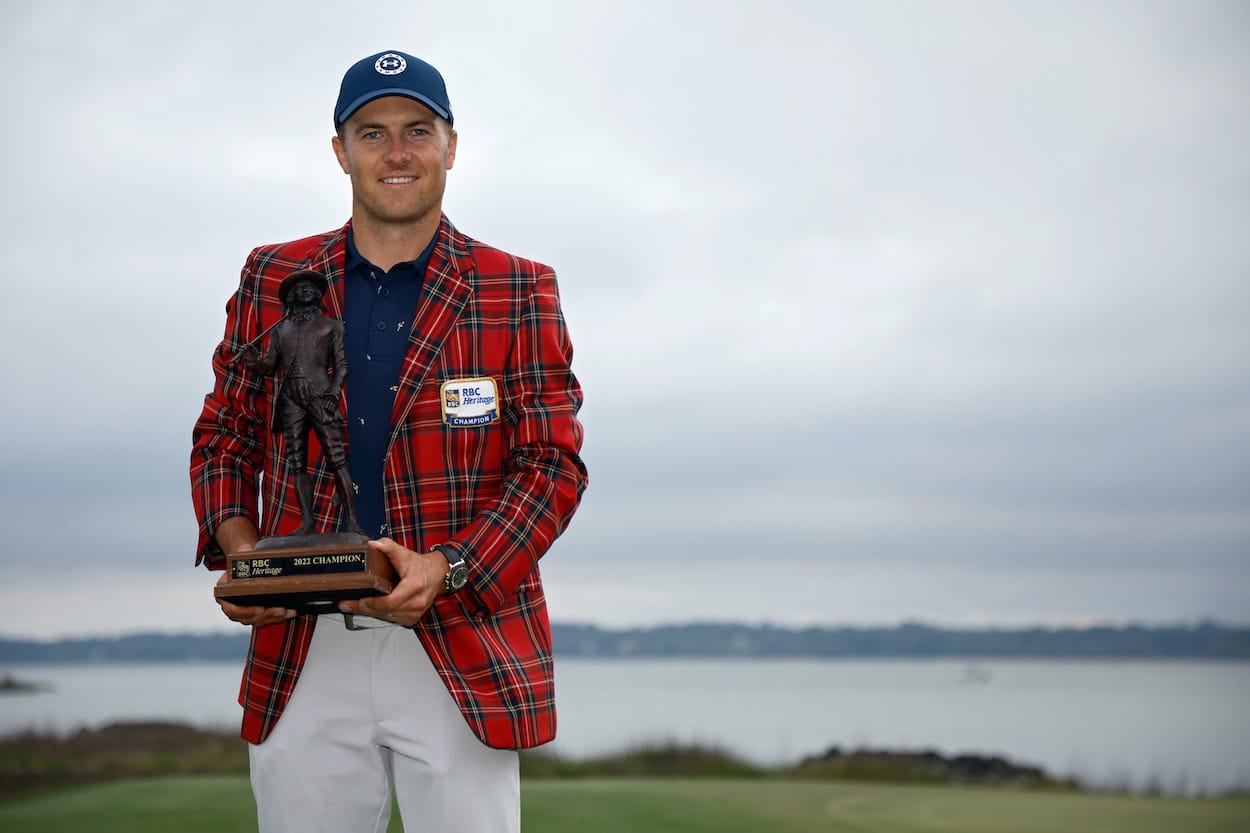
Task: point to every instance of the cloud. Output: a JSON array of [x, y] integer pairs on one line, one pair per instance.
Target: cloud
[[883, 311]]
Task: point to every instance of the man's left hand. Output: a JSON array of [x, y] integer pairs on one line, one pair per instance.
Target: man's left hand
[[421, 578]]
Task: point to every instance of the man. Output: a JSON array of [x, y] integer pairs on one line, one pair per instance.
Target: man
[[463, 445], [303, 345]]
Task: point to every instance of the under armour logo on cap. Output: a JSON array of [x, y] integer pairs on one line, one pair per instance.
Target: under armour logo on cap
[[390, 64]]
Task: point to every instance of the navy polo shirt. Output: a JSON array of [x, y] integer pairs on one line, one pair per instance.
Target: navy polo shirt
[[378, 308]]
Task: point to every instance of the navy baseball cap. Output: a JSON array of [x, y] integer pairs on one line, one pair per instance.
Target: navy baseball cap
[[391, 73]]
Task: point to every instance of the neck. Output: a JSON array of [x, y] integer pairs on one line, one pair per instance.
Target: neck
[[385, 244]]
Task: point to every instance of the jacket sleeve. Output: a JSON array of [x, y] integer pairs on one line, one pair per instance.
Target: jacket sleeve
[[229, 438], [545, 476]]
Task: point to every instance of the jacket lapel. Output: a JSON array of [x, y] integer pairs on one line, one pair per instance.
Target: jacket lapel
[[448, 286], [329, 260]]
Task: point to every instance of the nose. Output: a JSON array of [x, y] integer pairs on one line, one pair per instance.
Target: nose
[[396, 150]]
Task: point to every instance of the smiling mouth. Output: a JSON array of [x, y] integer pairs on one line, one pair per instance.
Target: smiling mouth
[[399, 180]]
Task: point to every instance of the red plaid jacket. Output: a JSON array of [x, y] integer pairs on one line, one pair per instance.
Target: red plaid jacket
[[498, 494]]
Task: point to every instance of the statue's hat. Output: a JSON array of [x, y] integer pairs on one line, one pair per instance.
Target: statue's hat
[[288, 283]]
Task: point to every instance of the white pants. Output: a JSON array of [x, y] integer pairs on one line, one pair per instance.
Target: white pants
[[369, 714]]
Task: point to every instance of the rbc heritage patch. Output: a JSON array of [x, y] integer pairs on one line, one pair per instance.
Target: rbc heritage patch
[[468, 403]]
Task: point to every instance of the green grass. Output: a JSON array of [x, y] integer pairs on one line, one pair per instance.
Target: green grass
[[187, 804], [223, 804], [767, 806]]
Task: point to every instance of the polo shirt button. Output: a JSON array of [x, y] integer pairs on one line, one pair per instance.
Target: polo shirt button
[[381, 326], [386, 292]]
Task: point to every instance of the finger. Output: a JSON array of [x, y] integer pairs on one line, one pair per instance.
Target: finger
[[269, 617], [366, 606], [400, 556], [255, 614], [385, 545], [232, 610], [392, 608], [359, 606], [239, 612]]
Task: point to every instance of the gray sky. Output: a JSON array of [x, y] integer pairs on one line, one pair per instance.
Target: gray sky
[[884, 311]]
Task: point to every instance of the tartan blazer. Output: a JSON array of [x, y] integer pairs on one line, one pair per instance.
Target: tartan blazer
[[498, 494]]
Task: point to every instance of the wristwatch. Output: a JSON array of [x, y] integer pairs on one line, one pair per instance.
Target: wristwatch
[[457, 572]]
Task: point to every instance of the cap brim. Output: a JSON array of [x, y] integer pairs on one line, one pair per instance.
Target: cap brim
[[346, 113]]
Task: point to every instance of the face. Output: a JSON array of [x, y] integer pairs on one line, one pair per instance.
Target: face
[[304, 294], [397, 153]]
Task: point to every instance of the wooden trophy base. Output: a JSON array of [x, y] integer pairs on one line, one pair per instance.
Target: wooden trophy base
[[309, 579]]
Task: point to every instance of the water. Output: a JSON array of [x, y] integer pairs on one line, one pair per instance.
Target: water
[[1183, 727], [92, 695]]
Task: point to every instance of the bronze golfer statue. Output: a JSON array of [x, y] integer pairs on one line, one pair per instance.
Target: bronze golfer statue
[[308, 570], [306, 351]]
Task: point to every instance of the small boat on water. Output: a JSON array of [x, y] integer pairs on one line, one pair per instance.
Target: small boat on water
[[976, 674]]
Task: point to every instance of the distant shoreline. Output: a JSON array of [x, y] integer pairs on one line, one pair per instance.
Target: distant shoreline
[[1205, 641]]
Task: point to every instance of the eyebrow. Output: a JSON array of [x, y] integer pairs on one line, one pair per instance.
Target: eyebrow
[[380, 126]]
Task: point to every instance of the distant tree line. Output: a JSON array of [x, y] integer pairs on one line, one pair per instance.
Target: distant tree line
[[143, 647], [1206, 640]]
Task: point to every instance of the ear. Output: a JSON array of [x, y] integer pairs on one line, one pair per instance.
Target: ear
[[451, 149], [340, 153]]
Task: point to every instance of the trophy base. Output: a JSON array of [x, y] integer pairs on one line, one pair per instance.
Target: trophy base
[[308, 579]]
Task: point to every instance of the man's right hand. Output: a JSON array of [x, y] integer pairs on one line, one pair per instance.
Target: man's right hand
[[239, 534], [253, 614]]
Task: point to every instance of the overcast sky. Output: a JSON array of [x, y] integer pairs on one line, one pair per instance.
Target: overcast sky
[[884, 311]]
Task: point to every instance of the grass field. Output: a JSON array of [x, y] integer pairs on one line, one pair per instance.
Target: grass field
[[223, 804]]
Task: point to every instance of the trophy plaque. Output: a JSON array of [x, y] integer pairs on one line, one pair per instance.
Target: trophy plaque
[[309, 579], [307, 571]]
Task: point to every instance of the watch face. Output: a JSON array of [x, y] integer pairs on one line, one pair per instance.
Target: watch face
[[458, 577]]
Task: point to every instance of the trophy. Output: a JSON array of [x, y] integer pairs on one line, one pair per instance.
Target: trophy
[[308, 571]]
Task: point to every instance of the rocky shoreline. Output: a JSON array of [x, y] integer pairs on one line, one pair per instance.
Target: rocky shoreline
[[927, 766], [12, 685]]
